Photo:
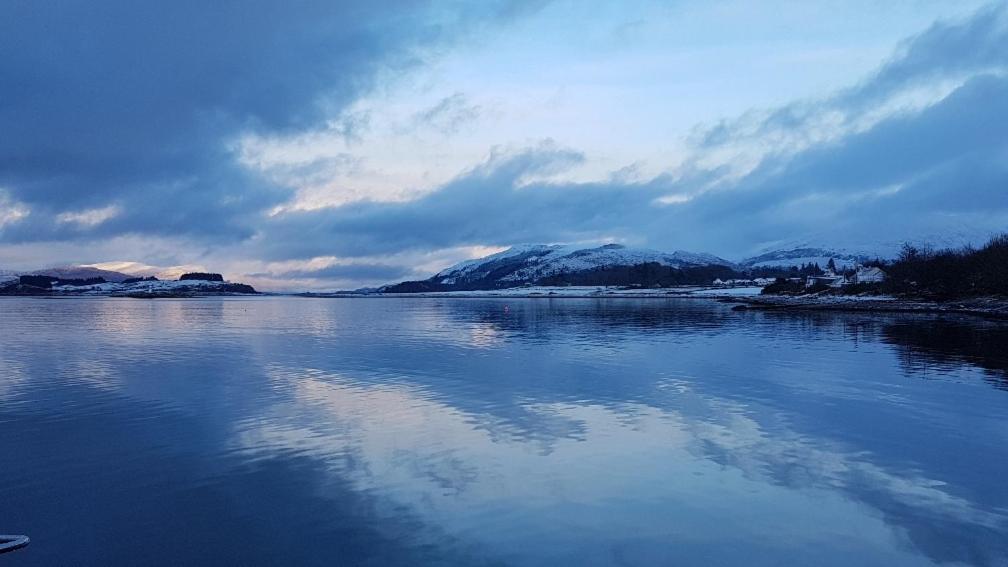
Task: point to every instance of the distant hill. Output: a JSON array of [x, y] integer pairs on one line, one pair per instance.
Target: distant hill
[[79, 273], [88, 280], [801, 256], [7, 275], [612, 264]]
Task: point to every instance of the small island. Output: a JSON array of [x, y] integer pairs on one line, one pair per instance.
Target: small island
[[193, 284]]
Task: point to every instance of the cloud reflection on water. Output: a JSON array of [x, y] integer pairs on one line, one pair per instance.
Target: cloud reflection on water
[[601, 430]]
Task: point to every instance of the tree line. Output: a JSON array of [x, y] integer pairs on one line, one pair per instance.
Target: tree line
[[949, 273], [203, 276], [928, 273]]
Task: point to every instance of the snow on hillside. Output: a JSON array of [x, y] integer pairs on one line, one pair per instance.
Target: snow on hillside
[[800, 260], [80, 272], [950, 234], [468, 267], [564, 261], [538, 261], [156, 287], [110, 271], [800, 256]]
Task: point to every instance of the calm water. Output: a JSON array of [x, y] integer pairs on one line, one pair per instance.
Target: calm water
[[286, 431]]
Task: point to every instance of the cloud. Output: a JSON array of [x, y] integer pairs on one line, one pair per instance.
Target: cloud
[[486, 205], [90, 217], [906, 172], [351, 126], [948, 51], [140, 104], [449, 114], [348, 272], [315, 172], [128, 121], [10, 211], [911, 172], [901, 149]]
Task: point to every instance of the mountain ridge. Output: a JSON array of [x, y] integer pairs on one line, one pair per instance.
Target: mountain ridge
[[557, 264], [79, 272], [543, 260], [804, 255]]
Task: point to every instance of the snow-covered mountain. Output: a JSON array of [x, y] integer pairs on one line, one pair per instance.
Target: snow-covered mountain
[[800, 256], [858, 246], [530, 263], [534, 263]]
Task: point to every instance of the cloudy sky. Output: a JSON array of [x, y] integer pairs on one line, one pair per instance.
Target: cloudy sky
[[326, 145]]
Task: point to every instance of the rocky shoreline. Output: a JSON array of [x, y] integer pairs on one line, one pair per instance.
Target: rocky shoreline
[[994, 307], [990, 307]]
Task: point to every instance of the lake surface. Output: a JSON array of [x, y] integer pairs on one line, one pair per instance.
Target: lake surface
[[291, 431]]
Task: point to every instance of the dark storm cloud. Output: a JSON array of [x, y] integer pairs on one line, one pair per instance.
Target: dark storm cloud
[[970, 124], [909, 173], [137, 104], [906, 170], [488, 205]]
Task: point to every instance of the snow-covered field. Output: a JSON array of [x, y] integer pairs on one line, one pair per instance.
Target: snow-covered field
[[840, 262], [728, 291], [155, 287]]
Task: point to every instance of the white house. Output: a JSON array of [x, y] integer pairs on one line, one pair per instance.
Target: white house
[[829, 278], [869, 275]]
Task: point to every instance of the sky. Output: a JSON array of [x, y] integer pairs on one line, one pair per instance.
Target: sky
[[334, 145]]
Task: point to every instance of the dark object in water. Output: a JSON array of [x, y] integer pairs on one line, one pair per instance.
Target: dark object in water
[[740, 308], [12, 542]]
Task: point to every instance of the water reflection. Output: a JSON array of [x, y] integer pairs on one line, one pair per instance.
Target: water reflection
[[944, 345], [498, 431]]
